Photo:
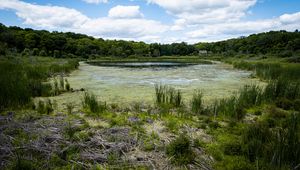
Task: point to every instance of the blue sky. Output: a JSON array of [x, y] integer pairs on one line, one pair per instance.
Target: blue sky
[[163, 21]]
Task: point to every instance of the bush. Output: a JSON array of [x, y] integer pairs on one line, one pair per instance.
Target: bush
[[180, 151]]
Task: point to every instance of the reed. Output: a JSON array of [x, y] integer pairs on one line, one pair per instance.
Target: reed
[[235, 106], [197, 106], [90, 102], [20, 80], [271, 71], [165, 95]]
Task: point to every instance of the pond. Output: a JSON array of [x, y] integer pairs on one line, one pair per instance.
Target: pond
[[128, 84], [125, 85]]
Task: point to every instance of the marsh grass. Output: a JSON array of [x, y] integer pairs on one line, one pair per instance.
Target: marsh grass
[[20, 80], [91, 103], [45, 107], [197, 106], [166, 95], [282, 88], [68, 87], [180, 150], [70, 108], [61, 82], [277, 148], [271, 71], [236, 105]]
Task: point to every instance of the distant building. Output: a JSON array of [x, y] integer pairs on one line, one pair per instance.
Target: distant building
[[202, 52]]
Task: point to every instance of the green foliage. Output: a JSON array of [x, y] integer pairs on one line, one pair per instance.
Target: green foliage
[[20, 81], [68, 87], [180, 151], [235, 163], [165, 95], [197, 103], [61, 82], [271, 71], [90, 102], [277, 148], [70, 130], [45, 107], [23, 164], [274, 42], [70, 108], [14, 86], [282, 88]]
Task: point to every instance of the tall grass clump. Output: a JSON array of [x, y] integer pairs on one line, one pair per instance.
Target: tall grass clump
[[282, 88], [68, 87], [61, 82], [235, 106], [20, 80], [90, 102], [271, 71], [180, 150], [197, 106], [45, 107], [273, 148], [250, 95], [166, 95], [14, 86]]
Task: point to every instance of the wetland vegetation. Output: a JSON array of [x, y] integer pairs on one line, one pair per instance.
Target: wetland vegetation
[[234, 108]]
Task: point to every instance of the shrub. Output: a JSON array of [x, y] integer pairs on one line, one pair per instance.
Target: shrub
[[180, 151]]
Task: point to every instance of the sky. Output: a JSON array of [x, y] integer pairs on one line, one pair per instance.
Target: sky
[[162, 21]]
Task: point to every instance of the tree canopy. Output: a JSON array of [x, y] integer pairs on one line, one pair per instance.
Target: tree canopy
[[58, 44]]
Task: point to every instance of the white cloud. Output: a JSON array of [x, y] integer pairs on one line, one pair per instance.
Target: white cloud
[[194, 12], [95, 1], [125, 12], [45, 16], [290, 18], [194, 21], [66, 19], [219, 31]]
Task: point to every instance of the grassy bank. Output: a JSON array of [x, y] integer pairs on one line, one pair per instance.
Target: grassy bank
[[255, 128], [23, 78], [176, 59]]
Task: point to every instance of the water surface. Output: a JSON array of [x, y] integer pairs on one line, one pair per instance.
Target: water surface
[[130, 84]]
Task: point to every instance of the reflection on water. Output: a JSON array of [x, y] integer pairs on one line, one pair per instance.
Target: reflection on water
[[142, 64], [127, 84]]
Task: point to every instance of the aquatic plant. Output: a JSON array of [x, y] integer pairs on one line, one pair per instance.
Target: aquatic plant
[[271, 71], [68, 87], [61, 82], [45, 107], [70, 108], [197, 106], [235, 105], [168, 96], [90, 102]]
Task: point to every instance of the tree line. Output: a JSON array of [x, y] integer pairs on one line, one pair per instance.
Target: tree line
[[71, 45]]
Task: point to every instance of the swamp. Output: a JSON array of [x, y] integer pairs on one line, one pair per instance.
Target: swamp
[[62, 108]]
